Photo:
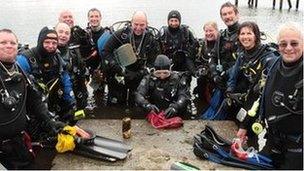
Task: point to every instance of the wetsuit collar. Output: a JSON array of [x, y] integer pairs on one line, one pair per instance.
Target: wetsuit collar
[[254, 52], [210, 44], [173, 30], [233, 28], [290, 65], [8, 65], [63, 49], [291, 68], [96, 29]]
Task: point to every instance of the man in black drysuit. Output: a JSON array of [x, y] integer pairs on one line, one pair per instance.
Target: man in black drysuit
[[19, 102], [145, 47], [163, 90]]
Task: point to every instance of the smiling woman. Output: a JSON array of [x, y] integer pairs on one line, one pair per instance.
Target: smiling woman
[[290, 42], [248, 73], [64, 34], [282, 101], [249, 35]]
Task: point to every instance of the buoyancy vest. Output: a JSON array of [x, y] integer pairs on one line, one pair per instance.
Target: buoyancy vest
[[285, 86], [43, 69], [172, 42], [228, 47], [253, 65], [102, 40], [164, 92], [48, 75], [13, 94]]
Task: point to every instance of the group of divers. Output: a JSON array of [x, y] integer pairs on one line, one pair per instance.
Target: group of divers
[[257, 85]]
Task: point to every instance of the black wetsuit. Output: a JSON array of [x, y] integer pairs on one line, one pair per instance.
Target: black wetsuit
[[282, 108], [173, 91], [225, 55], [20, 100], [48, 70], [95, 62], [179, 45], [75, 65], [146, 49], [205, 83], [246, 75]]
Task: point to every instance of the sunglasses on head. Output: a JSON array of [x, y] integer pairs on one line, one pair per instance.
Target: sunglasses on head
[[292, 44]]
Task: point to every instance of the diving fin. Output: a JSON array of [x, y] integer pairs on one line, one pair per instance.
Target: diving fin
[[95, 155], [216, 158], [210, 133], [209, 145], [96, 144], [103, 151], [90, 138], [217, 155], [111, 144]]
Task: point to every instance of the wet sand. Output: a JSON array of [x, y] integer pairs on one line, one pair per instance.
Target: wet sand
[[152, 148]]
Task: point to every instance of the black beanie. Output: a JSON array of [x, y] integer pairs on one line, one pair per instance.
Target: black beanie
[[162, 62], [174, 14], [43, 35]]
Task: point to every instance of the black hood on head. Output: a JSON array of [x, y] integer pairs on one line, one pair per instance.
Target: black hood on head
[[162, 62], [174, 14], [42, 36], [177, 15]]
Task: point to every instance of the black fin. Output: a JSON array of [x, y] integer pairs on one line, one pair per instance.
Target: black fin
[[111, 144], [86, 153], [102, 151]]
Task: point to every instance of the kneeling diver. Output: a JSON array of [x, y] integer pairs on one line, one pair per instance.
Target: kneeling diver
[[163, 89]]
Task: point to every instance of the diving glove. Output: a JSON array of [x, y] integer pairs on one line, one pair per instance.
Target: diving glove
[[219, 81], [151, 107], [170, 112], [228, 92], [55, 126]]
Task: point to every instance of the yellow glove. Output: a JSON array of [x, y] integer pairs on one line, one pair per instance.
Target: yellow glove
[[66, 139]]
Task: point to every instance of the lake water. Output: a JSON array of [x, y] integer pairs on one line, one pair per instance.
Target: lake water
[[27, 17]]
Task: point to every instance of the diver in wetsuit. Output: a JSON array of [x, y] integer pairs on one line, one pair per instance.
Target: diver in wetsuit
[[123, 83], [45, 64], [281, 105], [163, 90], [19, 101]]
